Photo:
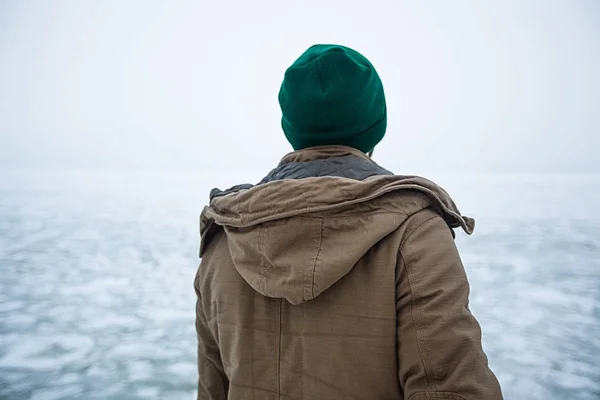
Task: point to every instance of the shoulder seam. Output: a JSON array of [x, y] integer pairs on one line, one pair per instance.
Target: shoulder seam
[[413, 230]]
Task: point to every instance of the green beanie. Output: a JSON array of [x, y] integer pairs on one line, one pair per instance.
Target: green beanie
[[333, 95]]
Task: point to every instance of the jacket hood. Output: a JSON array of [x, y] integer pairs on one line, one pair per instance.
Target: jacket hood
[[285, 233]]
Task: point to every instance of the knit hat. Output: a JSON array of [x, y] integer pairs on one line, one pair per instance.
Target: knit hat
[[332, 95]]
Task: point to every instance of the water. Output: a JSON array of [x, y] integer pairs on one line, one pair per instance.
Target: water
[[96, 297]]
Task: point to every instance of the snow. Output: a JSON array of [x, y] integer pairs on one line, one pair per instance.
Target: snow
[[96, 296]]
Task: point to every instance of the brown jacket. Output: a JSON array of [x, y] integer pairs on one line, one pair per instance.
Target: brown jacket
[[334, 279]]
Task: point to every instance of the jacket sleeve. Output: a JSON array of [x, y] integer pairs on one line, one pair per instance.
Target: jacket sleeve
[[212, 381], [439, 341]]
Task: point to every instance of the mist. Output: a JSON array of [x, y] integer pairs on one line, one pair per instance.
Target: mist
[[508, 86]]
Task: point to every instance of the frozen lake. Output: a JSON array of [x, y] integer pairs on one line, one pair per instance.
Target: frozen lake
[[96, 297]]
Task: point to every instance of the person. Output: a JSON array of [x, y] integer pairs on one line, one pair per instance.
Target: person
[[333, 278]]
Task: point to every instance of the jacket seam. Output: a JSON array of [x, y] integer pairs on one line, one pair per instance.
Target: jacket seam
[[414, 309], [200, 307], [211, 362], [314, 266], [410, 233], [438, 395], [263, 260], [279, 351]]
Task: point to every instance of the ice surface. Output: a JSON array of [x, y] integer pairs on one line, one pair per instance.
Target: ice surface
[[96, 296]]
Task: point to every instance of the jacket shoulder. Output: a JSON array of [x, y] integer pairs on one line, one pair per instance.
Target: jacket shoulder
[[421, 217]]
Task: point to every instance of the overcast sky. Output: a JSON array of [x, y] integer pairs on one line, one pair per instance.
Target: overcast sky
[[506, 86]]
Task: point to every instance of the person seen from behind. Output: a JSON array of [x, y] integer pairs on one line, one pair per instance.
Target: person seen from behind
[[333, 278]]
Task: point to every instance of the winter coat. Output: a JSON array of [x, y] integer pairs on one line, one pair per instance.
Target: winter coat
[[335, 279]]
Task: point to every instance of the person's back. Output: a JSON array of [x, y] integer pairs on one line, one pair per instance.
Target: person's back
[[333, 278]]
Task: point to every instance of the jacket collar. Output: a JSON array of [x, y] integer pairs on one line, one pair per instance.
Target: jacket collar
[[321, 152]]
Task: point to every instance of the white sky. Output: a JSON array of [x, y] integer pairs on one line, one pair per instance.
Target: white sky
[[505, 86]]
